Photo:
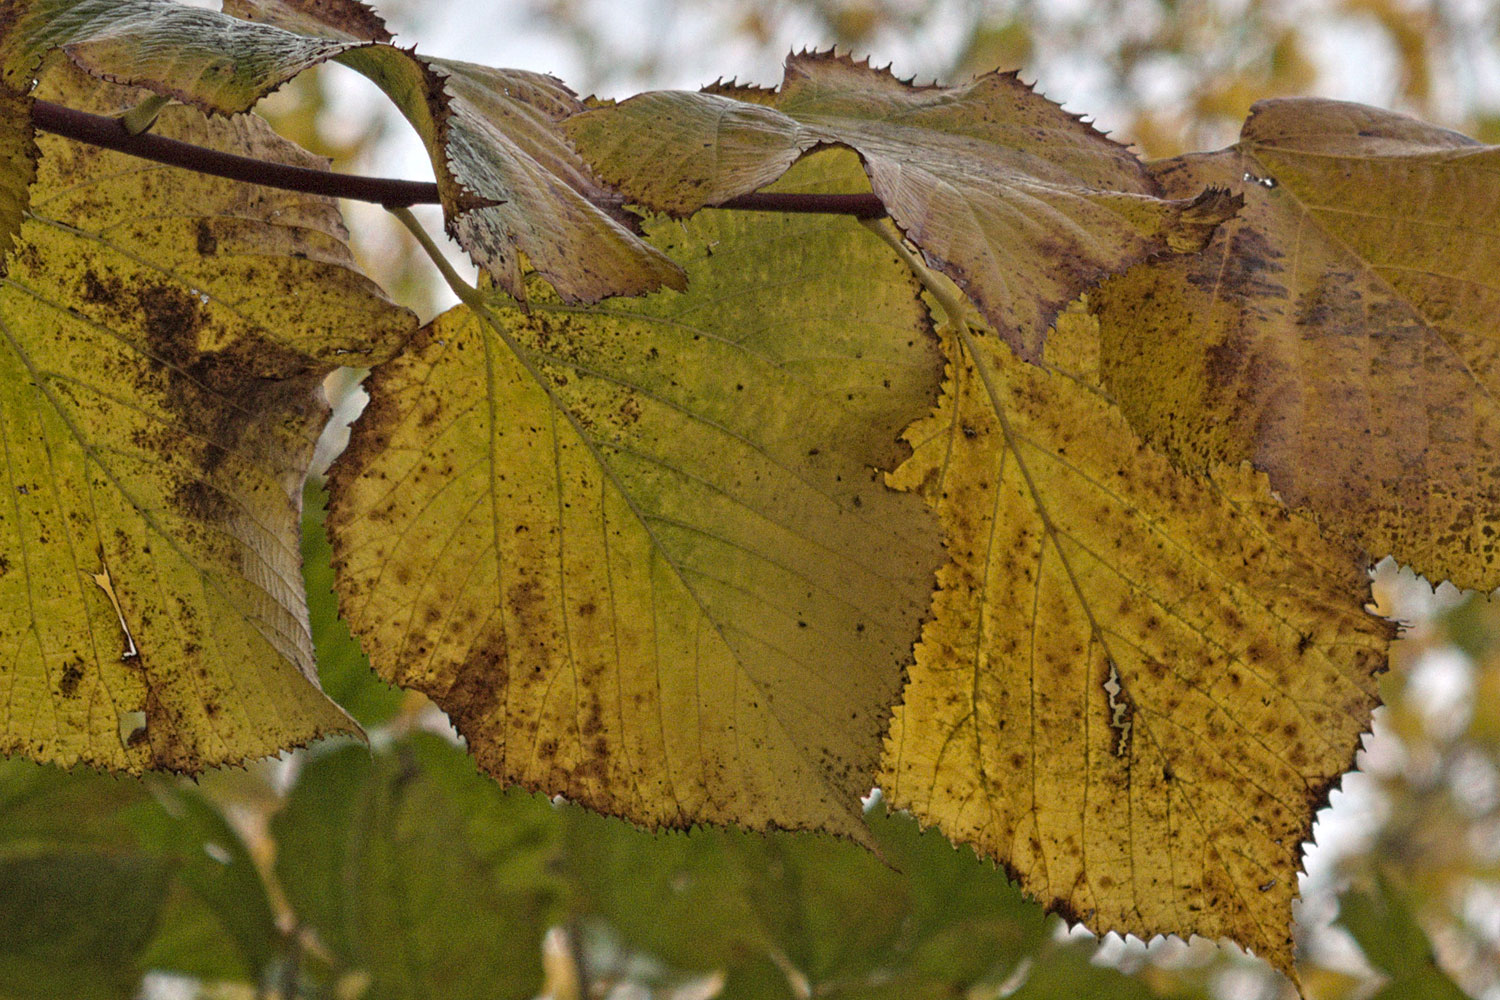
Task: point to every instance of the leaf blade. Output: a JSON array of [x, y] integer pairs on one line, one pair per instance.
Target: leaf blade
[[1118, 695], [1343, 336], [159, 408], [674, 547]]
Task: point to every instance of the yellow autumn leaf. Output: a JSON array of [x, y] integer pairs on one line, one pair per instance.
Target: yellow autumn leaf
[[641, 552], [1339, 333], [163, 338], [1136, 687]]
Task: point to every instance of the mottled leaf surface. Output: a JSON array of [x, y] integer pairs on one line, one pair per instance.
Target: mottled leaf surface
[[510, 184], [419, 873], [163, 337], [1340, 333], [1021, 203], [1136, 687], [18, 153], [641, 553]]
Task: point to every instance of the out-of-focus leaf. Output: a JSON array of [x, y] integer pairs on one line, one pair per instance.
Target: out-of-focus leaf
[[640, 552], [1066, 973], [416, 871], [1340, 333], [79, 898], [160, 395], [1024, 205], [212, 862], [779, 913], [1385, 927], [1136, 687], [343, 669]]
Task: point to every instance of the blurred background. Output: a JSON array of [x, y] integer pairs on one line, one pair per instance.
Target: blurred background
[[397, 872]]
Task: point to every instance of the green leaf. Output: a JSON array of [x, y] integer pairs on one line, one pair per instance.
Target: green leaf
[[160, 394], [81, 897], [213, 863], [1382, 921], [1024, 205], [782, 913], [641, 553], [343, 669], [413, 869], [1339, 334]]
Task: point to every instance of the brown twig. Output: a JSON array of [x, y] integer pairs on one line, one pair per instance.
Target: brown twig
[[109, 133]]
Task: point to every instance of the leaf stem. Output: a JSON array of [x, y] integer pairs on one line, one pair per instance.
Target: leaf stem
[[467, 293], [116, 134]]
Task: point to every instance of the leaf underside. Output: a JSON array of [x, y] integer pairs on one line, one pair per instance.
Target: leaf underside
[[1021, 203], [1339, 333], [509, 183]]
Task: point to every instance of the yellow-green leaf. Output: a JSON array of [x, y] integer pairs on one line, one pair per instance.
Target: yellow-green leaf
[[1340, 333], [1136, 687], [163, 337], [1024, 205], [640, 552]]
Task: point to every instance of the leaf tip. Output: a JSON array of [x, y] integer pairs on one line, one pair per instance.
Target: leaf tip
[[1201, 217]]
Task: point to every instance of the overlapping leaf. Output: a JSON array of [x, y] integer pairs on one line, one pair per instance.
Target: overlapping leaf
[[163, 337], [782, 912], [1340, 333], [640, 553], [418, 874], [18, 153], [1021, 203], [81, 896], [508, 180], [1136, 686]]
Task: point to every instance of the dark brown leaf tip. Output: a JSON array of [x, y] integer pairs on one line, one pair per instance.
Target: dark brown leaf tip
[[1201, 218]]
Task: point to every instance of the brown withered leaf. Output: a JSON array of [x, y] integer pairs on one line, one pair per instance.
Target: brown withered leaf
[[1340, 333], [1023, 204], [1136, 686]]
